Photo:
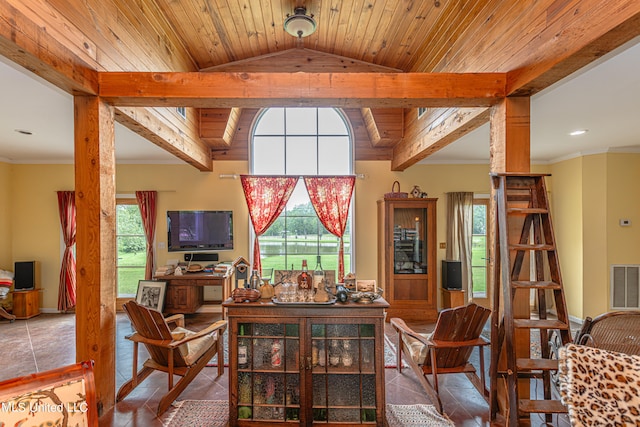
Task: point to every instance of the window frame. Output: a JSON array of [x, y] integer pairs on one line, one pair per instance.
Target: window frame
[[126, 200], [318, 137], [480, 200]]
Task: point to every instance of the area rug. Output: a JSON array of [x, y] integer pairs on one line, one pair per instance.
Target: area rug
[[390, 360], [416, 415], [215, 413], [199, 413]]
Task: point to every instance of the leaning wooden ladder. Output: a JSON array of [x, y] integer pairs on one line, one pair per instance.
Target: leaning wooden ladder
[[522, 199]]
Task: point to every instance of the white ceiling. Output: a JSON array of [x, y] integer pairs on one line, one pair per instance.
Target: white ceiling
[[603, 98]]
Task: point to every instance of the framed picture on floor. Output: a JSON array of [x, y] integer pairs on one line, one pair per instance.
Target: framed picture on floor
[[151, 294]]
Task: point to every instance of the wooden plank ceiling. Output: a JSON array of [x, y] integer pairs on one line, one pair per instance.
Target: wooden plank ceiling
[[370, 36], [363, 36], [534, 43]]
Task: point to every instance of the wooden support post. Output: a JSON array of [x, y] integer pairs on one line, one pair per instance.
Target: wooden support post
[[510, 152], [95, 241]]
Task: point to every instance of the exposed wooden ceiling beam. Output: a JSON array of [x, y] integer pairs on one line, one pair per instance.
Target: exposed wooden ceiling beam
[[148, 123], [222, 90], [68, 59], [573, 42], [34, 47], [218, 126], [385, 126], [422, 139]]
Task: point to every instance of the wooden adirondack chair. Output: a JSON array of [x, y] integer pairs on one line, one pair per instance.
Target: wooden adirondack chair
[[447, 349], [175, 351]]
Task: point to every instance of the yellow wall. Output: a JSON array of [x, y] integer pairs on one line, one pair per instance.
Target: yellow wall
[[566, 204], [36, 227], [623, 202], [589, 196], [35, 222], [5, 219], [594, 214], [435, 180]]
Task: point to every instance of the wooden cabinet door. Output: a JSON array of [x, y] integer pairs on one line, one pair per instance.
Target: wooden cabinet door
[[183, 298], [407, 257], [299, 368]]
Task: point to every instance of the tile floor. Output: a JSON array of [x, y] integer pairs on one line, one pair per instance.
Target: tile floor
[[48, 341]]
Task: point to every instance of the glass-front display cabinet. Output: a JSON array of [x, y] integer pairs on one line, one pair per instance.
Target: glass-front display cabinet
[[407, 257], [306, 365]]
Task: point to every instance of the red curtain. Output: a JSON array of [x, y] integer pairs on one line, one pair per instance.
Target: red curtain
[[266, 198], [67, 287], [147, 204], [331, 197]]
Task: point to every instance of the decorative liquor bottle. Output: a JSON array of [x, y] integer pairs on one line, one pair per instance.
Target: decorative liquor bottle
[[318, 275], [276, 353], [243, 353], [254, 280], [305, 280]]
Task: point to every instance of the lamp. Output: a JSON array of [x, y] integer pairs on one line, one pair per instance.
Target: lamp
[[300, 24]]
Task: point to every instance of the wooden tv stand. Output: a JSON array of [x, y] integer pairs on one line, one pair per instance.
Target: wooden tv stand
[[26, 304], [185, 293]]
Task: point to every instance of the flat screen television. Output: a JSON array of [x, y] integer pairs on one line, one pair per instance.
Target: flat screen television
[[199, 230]]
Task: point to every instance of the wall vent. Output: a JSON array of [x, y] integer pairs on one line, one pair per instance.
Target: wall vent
[[421, 111], [625, 286], [182, 111]]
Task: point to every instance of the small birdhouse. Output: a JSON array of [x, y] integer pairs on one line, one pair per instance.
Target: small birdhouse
[[241, 267]]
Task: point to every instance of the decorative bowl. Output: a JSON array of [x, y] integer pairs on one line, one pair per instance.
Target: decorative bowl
[[244, 295], [365, 297]]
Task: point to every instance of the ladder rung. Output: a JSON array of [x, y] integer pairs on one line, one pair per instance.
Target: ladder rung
[[541, 407], [527, 211], [522, 375], [540, 324], [531, 284], [537, 364], [525, 247], [518, 197]]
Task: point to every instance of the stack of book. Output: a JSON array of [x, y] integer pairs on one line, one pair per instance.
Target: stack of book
[[222, 268], [165, 270]]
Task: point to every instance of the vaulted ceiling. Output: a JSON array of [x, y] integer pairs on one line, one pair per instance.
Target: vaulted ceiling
[[528, 44]]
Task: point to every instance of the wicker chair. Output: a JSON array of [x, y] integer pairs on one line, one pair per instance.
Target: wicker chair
[[615, 331]]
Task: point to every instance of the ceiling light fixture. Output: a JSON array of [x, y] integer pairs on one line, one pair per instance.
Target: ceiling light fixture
[[578, 132], [300, 24]]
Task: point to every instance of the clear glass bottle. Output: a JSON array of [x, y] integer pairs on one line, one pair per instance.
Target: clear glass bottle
[[254, 280], [304, 278], [243, 351], [318, 274]]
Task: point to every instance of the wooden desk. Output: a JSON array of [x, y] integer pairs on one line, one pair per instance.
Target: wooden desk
[[185, 294]]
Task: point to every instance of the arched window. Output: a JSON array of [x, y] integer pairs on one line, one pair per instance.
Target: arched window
[[302, 141]]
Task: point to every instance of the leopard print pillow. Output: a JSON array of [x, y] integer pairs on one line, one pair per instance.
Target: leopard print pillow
[[599, 387]]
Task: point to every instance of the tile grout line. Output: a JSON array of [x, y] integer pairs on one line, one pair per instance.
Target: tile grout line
[[33, 351]]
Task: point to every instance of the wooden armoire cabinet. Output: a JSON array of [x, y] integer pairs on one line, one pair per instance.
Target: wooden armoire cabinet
[[407, 257]]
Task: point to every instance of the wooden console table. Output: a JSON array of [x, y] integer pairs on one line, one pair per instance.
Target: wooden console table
[[306, 364], [185, 294]]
